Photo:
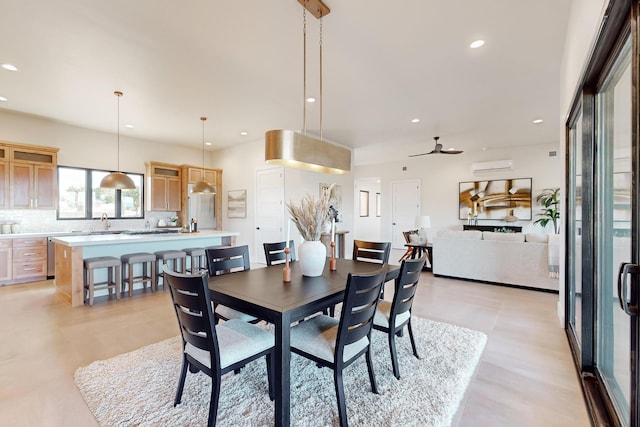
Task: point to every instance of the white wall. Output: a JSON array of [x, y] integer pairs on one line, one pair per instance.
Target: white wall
[[440, 175], [369, 227], [584, 23]]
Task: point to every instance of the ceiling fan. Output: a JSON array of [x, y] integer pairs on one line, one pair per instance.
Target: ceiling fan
[[437, 149]]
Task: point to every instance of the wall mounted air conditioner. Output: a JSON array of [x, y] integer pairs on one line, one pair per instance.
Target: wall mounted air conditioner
[[496, 165]]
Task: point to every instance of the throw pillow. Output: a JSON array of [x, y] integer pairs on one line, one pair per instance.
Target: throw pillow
[[536, 238]]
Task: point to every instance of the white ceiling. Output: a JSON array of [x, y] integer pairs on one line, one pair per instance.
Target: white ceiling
[[239, 62]]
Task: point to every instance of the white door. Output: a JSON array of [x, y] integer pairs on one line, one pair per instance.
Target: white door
[[269, 209], [405, 206]]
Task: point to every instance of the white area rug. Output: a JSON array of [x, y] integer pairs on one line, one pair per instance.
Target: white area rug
[[138, 388]]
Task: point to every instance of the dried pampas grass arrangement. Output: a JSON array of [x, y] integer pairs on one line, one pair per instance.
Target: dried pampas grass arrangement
[[310, 215]]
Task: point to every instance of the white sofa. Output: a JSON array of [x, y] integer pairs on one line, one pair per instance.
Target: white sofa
[[506, 258]]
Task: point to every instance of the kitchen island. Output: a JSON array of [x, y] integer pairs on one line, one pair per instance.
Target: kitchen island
[[71, 251]]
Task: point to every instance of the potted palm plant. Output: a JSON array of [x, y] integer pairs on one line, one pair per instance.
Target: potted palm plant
[[549, 198]]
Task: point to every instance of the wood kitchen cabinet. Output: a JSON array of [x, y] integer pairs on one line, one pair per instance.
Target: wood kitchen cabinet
[[6, 263], [29, 259], [4, 176], [195, 175], [164, 187], [31, 176]]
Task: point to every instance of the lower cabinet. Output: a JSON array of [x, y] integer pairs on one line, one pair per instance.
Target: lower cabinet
[[6, 263], [23, 260]]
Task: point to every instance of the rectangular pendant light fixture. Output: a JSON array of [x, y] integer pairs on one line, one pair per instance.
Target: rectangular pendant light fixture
[[297, 150], [293, 149]]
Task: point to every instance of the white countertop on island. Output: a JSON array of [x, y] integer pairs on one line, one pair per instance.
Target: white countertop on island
[[111, 239]]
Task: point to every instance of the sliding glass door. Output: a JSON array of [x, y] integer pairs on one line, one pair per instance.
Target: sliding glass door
[[603, 222], [613, 229]]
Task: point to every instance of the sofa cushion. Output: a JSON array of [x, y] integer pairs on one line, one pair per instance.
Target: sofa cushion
[[536, 238], [461, 235], [505, 237]]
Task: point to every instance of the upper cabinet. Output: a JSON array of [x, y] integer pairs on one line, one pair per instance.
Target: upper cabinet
[[28, 176], [196, 174], [164, 189]]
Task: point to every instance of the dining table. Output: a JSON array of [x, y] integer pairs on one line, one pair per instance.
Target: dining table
[[262, 293]]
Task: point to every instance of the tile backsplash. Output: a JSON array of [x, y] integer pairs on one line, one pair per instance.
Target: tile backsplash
[[43, 221]]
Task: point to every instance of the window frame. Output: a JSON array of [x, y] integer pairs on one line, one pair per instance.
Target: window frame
[[88, 199]]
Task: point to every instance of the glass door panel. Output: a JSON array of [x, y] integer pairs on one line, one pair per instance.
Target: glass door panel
[[574, 231], [613, 229]]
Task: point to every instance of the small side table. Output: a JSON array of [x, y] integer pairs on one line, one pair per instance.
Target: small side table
[[326, 239], [417, 249]]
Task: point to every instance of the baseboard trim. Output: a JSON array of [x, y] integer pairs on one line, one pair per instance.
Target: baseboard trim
[[508, 285]]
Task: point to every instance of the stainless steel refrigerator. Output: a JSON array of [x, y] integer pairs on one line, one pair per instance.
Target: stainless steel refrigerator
[[202, 208]]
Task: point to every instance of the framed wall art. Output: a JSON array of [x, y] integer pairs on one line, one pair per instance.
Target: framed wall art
[[237, 204], [497, 199]]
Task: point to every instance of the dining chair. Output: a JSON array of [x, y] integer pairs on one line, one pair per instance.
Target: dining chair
[[407, 239], [274, 252], [336, 344], [371, 251], [377, 252], [226, 260], [391, 317], [210, 348]]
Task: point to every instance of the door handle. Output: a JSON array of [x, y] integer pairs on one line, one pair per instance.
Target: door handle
[[625, 270]]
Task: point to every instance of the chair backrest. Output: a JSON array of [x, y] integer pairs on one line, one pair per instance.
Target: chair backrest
[[192, 304], [274, 252], [406, 285], [358, 308], [371, 251], [227, 260], [407, 235]]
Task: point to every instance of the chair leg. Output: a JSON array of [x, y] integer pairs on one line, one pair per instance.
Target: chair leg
[[413, 341], [372, 375], [394, 355], [342, 407], [183, 375], [213, 403], [271, 373]]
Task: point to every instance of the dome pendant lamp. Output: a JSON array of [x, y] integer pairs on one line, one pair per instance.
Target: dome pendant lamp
[[202, 186], [118, 180]]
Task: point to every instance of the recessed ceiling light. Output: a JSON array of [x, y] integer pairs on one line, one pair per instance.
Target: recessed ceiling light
[[244, 133], [311, 99], [2, 98], [415, 120], [476, 44], [129, 126], [9, 67], [538, 121], [207, 143]]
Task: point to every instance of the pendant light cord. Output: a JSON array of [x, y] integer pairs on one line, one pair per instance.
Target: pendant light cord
[[118, 94], [321, 78], [203, 119], [304, 71]]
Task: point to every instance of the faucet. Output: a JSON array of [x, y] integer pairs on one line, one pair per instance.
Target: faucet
[[104, 219]]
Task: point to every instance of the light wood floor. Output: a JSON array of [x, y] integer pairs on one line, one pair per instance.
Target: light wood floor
[[525, 378]]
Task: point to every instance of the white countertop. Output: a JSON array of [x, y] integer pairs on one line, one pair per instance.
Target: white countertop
[[79, 239]]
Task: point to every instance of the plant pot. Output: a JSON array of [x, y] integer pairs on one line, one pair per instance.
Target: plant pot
[[312, 256]]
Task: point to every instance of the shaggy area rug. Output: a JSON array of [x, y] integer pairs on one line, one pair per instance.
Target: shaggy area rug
[[138, 388]]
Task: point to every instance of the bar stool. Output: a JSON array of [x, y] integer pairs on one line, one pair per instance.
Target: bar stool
[[197, 259], [128, 262], [174, 259], [112, 283]]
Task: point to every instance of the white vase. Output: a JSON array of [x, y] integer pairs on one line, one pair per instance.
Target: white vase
[[312, 256]]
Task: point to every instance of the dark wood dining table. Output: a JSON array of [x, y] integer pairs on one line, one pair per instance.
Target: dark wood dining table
[[262, 293]]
